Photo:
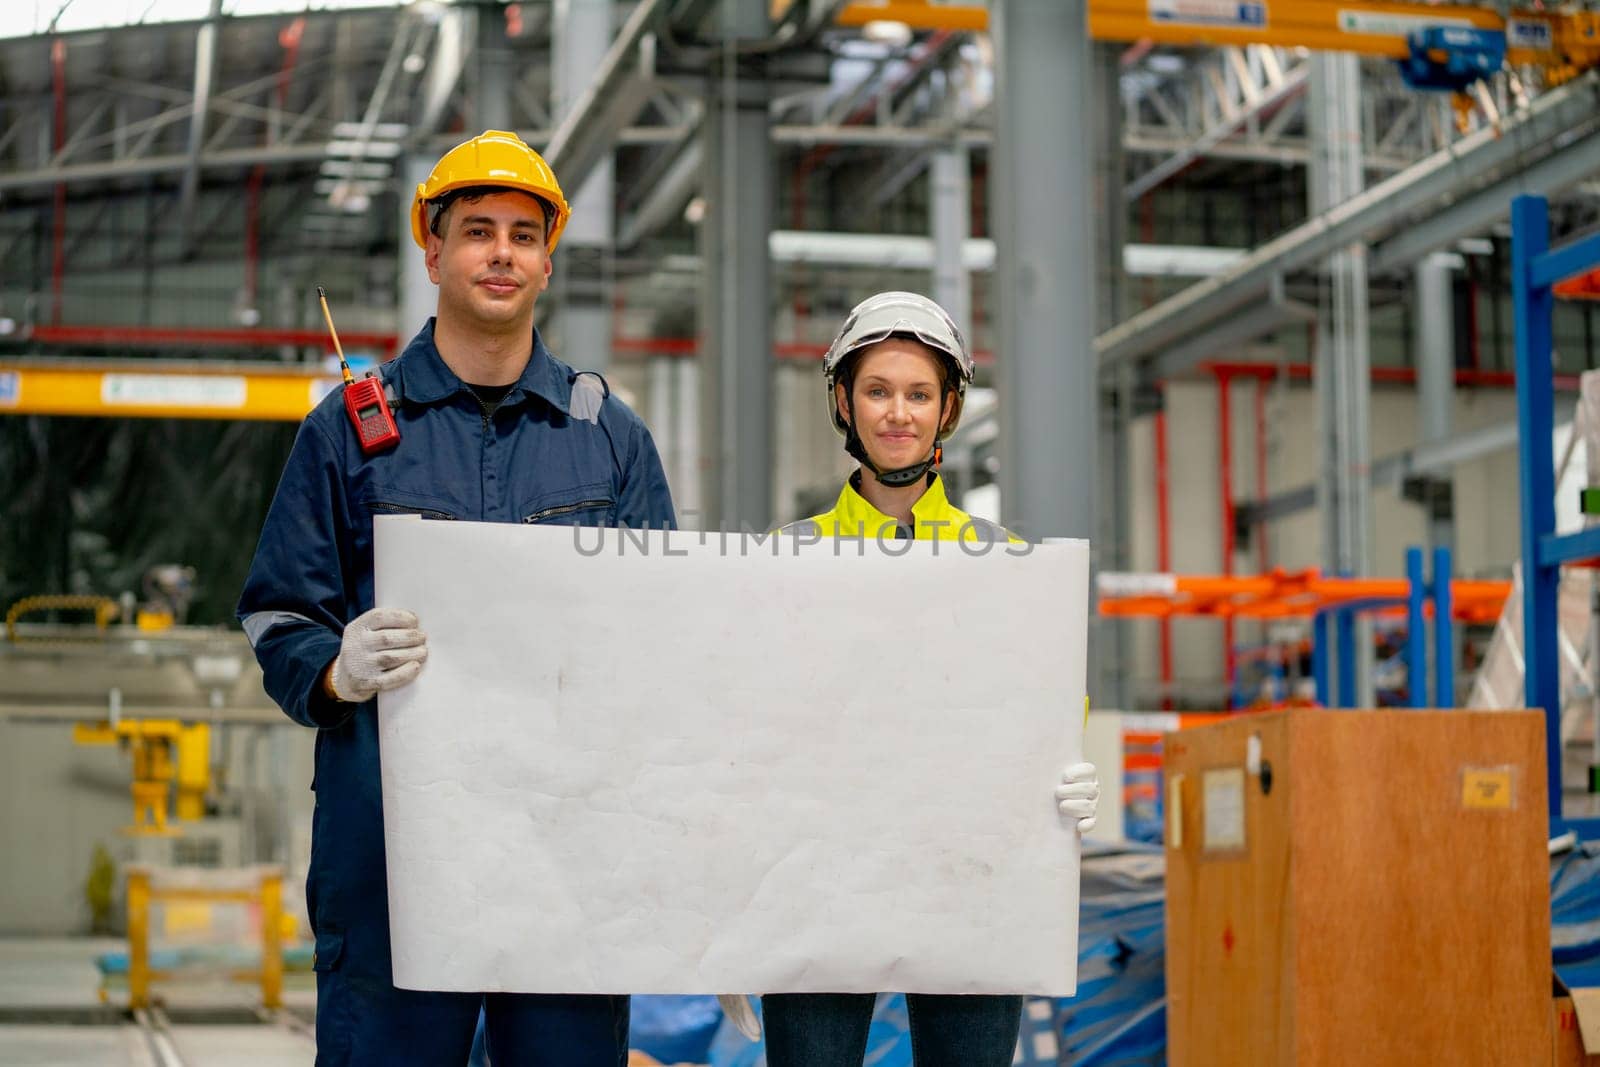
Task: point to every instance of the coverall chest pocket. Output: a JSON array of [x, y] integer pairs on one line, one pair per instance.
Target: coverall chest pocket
[[593, 504], [379, 500]]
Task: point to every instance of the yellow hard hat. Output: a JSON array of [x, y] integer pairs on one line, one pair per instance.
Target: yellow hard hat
[[498, 158]]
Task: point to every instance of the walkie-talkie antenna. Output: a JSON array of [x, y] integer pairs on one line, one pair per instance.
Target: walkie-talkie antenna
[[322, 295]]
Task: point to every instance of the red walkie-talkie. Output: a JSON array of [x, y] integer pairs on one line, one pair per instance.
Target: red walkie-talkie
[[364, 401]]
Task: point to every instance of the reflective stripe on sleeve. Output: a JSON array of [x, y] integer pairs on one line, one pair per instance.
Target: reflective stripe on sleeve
[[258, 623]]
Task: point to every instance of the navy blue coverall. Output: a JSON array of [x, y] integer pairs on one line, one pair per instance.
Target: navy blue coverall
[[557, 449]]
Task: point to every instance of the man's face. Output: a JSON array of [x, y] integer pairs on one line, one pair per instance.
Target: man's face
[[489, 259]]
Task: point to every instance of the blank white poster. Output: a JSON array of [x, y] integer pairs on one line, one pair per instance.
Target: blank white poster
[[696, 763]]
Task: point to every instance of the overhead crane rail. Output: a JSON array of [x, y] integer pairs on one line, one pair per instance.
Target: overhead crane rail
[[1562, 44]]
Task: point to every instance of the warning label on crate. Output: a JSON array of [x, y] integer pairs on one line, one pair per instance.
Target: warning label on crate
[[1487, 788], [1378, 24], [1222, 797], [1233, 13], [10, 388], [174, 390], [1529, 33]]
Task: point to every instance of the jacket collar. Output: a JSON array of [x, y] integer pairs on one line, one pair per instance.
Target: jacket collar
[[425, 378], [854, 511]]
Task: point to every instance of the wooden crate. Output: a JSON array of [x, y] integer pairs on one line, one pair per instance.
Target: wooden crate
[[1569, 1050], [1378, 895]]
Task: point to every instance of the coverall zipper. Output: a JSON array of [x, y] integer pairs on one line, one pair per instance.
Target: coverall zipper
[[405, 509], [566, 509]]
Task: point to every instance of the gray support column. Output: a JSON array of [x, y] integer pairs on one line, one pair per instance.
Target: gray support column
[[1436, 383], [658, 414], [493, 76], [736, 368], [1111, 204], [950, 211], [683, 470], [1115, 498], [418, 297], [1341, 366], [1046, 367], [582, 34], [1042, 199]]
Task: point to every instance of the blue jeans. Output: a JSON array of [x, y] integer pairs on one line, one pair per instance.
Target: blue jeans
[[830, 1029], [362, 1022]]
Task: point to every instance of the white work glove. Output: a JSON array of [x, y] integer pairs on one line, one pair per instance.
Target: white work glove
[[382, 650], [739, 1012], [1078, 795]]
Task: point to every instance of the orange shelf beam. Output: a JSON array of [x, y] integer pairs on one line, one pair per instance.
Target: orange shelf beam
[[1279, 594]]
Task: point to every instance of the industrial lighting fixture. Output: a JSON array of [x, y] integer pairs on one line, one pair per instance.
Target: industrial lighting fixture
[[695, 211], [384, 131], [385, 149], [891, 32]]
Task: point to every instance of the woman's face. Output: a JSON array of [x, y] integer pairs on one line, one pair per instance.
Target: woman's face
[[896, 402]]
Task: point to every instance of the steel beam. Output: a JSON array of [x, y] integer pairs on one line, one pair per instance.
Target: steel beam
[[1267, 317], [618, 91], [1264, 101], [880, 136], [1392, 470], [1464, 218], [444, 72], [667, 196], [1434, 312], [1474, 213], [271, 155], [1557, 114], [205, 65]]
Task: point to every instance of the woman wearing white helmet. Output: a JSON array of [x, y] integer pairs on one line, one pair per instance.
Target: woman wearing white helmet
[[896, 377]]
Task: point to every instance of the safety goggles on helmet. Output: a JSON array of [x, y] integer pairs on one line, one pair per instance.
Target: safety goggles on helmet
[[496, 159], [891, 314]]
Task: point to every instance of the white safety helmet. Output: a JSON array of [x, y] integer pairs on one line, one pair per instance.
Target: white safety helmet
[[886, 315]]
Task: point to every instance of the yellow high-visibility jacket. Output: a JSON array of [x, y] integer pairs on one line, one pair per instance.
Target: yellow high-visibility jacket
[[935, 518]]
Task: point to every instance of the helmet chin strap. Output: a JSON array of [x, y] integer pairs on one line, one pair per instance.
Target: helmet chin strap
[[899, 477]]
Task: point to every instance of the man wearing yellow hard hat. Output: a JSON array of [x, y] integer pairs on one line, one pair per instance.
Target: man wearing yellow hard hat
[[491, 427]]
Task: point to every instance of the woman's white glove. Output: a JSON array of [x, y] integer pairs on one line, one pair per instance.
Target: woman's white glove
[[1078, 795], [736, 1006], [382, 650]]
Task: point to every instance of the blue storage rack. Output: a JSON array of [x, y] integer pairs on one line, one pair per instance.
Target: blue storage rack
[[1535, 269], [1341, 621]]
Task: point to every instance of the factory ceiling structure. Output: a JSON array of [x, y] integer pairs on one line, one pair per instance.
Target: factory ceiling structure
[[274, 135]]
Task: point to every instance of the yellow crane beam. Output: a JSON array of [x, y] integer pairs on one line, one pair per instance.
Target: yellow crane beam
[[1375, 29], [916, 14], [161, 389], [1369, 27]]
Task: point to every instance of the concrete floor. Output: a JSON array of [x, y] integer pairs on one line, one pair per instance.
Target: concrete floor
[[52, 1015]]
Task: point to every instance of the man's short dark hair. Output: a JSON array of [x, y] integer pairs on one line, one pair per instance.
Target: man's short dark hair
[[472, 194]]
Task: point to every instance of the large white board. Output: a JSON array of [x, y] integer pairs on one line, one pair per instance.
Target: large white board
[[700, 764]]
